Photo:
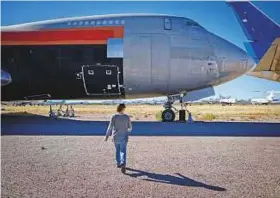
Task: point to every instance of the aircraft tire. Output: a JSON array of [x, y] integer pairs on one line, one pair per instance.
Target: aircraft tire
[[168, 115]]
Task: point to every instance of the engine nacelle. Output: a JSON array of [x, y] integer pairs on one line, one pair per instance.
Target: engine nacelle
[[5, 78]]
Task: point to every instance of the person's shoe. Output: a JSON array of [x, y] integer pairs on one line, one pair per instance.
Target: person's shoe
[[119, 166], [123, 168]]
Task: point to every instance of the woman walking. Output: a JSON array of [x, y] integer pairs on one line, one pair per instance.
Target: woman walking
[[120, 127]]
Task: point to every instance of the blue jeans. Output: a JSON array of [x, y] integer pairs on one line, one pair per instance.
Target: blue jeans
[[121, 152]]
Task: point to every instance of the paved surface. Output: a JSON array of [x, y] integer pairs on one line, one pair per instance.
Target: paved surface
[[40, 125], [82, 166], [65, 158]]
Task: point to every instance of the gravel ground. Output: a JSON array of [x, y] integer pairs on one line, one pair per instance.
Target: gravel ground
[[83, 166]]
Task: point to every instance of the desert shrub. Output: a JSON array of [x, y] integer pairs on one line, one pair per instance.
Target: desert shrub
[[158, 116], [209, 116]]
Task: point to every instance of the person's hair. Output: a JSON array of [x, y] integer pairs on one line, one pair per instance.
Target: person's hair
[[120, 107]]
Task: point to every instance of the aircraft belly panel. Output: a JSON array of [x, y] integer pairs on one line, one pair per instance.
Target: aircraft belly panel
[[137, 63], [186, 74], [160, 62], [178, 74]]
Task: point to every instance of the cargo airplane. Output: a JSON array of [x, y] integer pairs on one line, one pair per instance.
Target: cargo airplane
[[116, 56], [269, 99]]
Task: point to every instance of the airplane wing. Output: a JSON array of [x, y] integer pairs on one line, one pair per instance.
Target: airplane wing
[[264, 39]]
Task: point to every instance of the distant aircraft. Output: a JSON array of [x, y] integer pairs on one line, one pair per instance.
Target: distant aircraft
[[227, 100], [116, 56], [224, 100], [264, 39], [219, 99], [270, 99]]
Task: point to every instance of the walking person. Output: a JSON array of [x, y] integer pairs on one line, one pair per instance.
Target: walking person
[[120, 127]]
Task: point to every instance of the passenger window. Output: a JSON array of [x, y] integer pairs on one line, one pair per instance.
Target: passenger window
[[167, 24]]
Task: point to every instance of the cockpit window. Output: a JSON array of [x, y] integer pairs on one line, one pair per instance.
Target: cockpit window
[[191, 23]]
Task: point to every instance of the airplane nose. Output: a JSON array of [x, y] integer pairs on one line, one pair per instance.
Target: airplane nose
[[234, 61]]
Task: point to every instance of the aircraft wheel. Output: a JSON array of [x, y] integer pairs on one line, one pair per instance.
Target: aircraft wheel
[[168, 115]]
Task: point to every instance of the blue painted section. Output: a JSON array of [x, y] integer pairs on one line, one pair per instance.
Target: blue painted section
[[39, 125], [259, 29]]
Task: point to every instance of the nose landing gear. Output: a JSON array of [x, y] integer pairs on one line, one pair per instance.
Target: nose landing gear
[[169, 114]]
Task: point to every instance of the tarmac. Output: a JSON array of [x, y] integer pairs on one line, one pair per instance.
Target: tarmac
[[31, 124], [42, 157]]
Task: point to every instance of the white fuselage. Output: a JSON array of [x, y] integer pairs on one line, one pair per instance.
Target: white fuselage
[[162, 54]]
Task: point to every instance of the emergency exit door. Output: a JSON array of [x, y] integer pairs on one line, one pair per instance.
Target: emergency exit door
[[101, 79]]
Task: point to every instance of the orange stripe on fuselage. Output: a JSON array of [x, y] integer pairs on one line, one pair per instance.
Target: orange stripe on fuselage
[[93, 35]]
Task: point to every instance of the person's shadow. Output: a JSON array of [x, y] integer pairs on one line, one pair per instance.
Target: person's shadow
[[170, 179]]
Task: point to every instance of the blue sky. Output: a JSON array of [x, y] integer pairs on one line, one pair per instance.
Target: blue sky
[[216, 17]]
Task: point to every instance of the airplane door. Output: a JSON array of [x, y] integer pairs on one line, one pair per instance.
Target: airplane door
[[160, 61], [101, 79]]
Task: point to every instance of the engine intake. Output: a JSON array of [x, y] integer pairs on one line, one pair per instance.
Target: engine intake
[[5, 78]]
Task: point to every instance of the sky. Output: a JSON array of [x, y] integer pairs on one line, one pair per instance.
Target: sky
[[216, 17]]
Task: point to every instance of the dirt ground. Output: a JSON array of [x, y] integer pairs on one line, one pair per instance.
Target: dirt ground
[[83, 166], [215, 112], [76, 165]]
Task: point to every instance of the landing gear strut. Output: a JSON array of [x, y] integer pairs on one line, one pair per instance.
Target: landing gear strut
[[51, 113], [69, 112]]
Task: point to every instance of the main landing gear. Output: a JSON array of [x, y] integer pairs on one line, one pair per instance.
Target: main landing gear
[[169, 114], [69, 112]]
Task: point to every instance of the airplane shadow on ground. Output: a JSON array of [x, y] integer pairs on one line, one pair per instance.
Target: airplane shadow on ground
[[31, 124], [180, 179]]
